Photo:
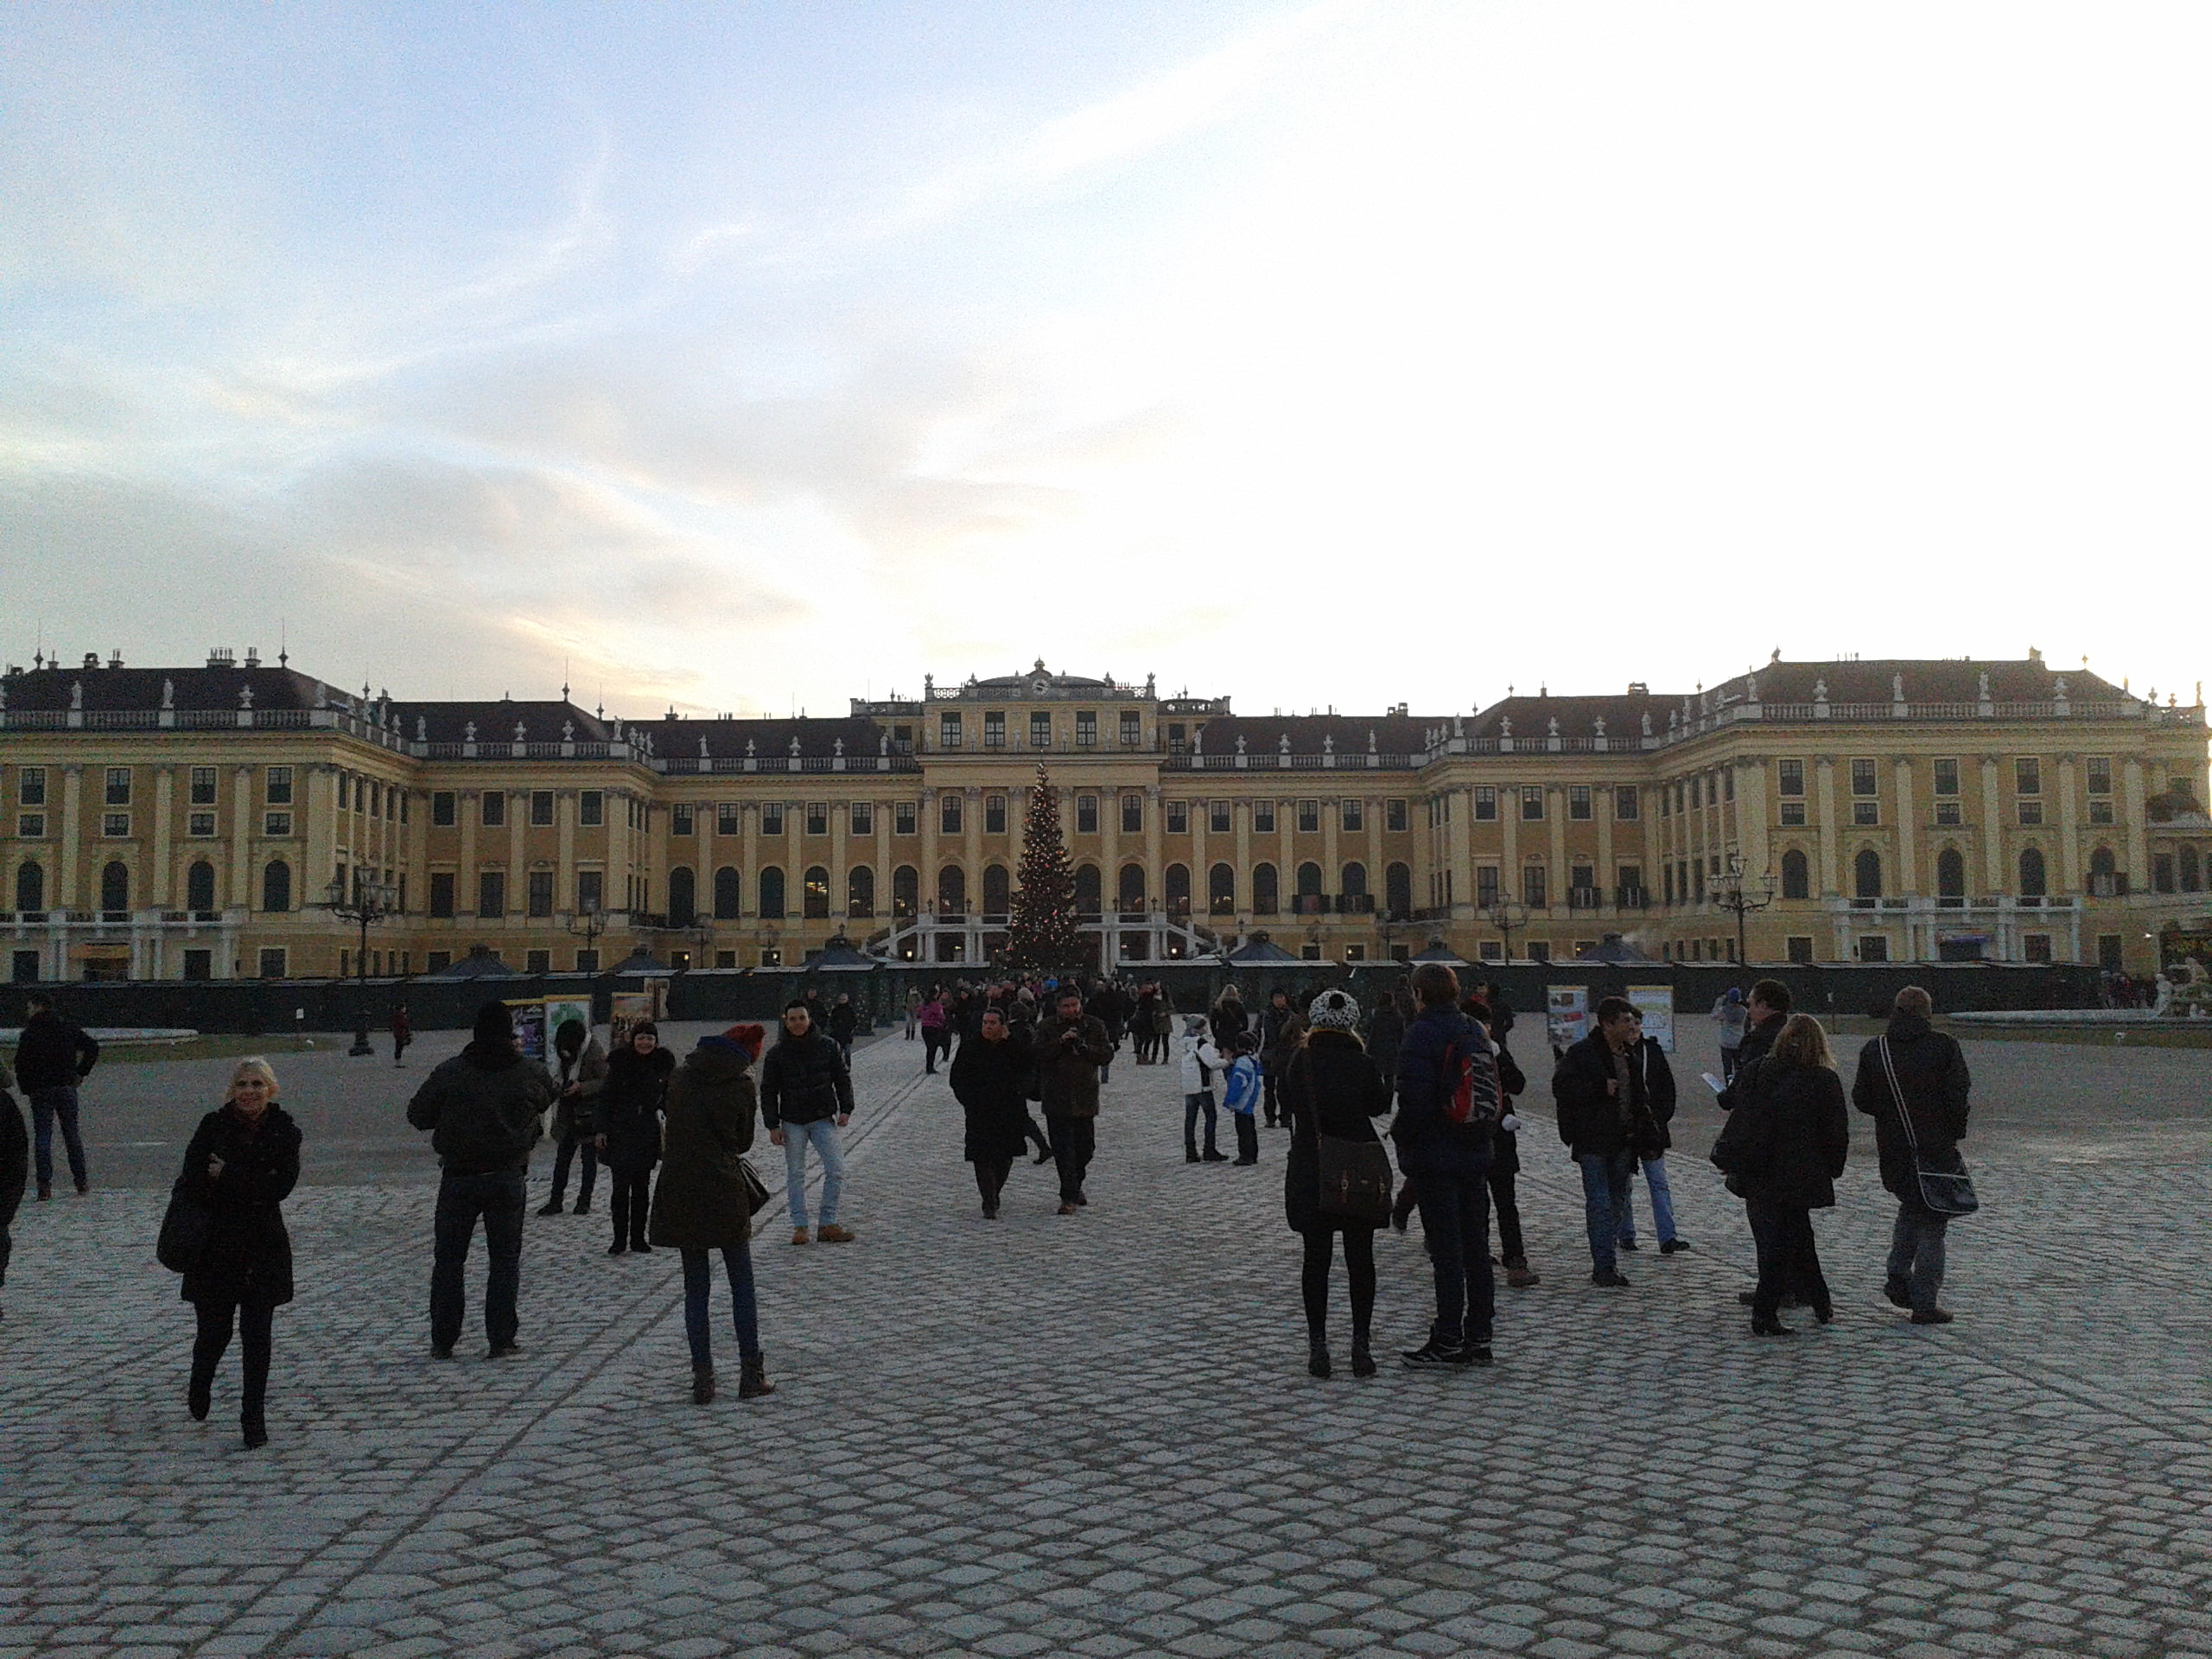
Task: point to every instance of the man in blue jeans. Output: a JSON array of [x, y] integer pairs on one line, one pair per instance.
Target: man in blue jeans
[[1446, 1155], [1603, 1095], [806, 1096], [52, 1059], [482, 1108]]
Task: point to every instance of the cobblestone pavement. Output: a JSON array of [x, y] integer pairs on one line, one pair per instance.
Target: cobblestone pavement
[[1094, 1435]]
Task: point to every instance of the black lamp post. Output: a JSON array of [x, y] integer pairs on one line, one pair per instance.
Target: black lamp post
[[368, 902], [588, 924], [1742, 894], [1506, 914]]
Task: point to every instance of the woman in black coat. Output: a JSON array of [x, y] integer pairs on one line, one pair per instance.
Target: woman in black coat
[[1331, 1087], [243, 1162], [1782, 1150], [626, 1117], [991, 1077]]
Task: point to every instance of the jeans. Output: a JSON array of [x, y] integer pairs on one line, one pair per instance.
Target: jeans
[[1455, 1220], [1074, 1140], [631, 1201], [1662, 1203], [1728, 1064], [1606, 1178], [1788, 1260], [1270, 1100], [744, 1311], [1192, 1105], [500, 1198], [59, 1101], [1916, 1253], [821, 1136], [936, 1040], [562, 1159], [1248, 1137]]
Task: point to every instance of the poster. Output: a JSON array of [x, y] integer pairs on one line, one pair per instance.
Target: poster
[[632, 1007], [1656, 1004], [529, 1018], [1566, 1012], [559, 1010]]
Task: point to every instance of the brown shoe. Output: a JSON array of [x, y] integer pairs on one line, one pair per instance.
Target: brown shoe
[[798, 1234], [1520, 1278], [833, 1234], [1067, 1209]]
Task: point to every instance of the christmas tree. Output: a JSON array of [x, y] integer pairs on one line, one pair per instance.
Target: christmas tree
[[1042, 935]]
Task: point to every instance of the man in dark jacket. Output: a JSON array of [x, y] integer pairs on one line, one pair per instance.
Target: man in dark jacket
[[1658, 1078], [1765, 1007], [806, 1096], [1605, 1118], [990, 1079], [1931, 1074], [52, 1059], [1281, 1028], [15, 1163], [482, 1108], [1070, 1047], [1449, 1161], [1386, 1029], [844, 1025]]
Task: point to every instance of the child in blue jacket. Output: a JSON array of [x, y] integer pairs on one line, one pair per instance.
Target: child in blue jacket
[[1246, 1083]]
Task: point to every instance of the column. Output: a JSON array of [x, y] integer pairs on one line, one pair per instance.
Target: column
[[1603, 802], [1992, 830], [925, 896], [1824, 802], [1155, 868], [616, 885], [2132, 803], [1508, 825], [68, 896], [2069, 833], [1201, 862], [469, 807], [748, 870], [971, 824], [164, 874], [1287, 859], [883, 862], [1907, 882], [242, 885], [1332, 812], [1555, 817], [564, 873], [1240, 814], [518, 861], [840, 826], [318, 785], [1752, 812], [1459, 853]]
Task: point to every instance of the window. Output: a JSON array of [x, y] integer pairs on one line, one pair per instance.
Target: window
[[118, 786], [1041, 729], [1863, 780], [1630, 892], [1221, 891], [1263, 890], [541, 893], [277, 886], [1128, 890], [203, 786], [1626, 801], [1793, 815], [861, 818], [1132, 815], [1531, 804], [2033, 876], [1950, 877], [770, 957], [1947, 777], [541, 811], [1873, 947], [994, 729], [591, 891], [1582, 884], [1866, 874], [1539, 951], [278, 825], [200, 823], [30, 786], [2035, 946], [1398, 889], [1351, 816], [1486, 892], [198, 964], [2101, 808], [492, 809], [903, 815], [1866, 813], [772, 894], [859, 891], [727, 819], [443, 811], [115, 826], [200, 887], [1493, 951], [2027, 775], [728, 892], [2031, 811], [537, 961], [2099, 769], [272, 962], [277, 786], [1790, 777], [1799, 947], [1578, 802], [1697, 790], [994, 814], [948, 731], [1309, 818], [1217, 817], [817, 893], [771, 818], [1086, 729], [345, 790], [1949, 812], [948, 813], [1532, 887], [1086, 815], [492, 893], [30, 887], [1394, 815], [591, 809], [1132, 727], [1485, 804], [1178, 817], [1797, 874], [682, 821], [442, 897]]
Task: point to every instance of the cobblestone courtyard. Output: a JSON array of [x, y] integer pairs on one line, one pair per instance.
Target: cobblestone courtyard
[[1095, 1435]]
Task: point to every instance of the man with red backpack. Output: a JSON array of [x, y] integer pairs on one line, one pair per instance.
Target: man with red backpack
[[1448, 1107]]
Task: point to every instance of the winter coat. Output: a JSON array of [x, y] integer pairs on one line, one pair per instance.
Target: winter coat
[[991, 1081], [627, 1111], [1228, 1022], [1594, 1121], [1429, 1143], [1105, 1007], [248, 1256], [844, 1020], [1067, 1072], [1280, 1031], [1385, 1031], [1788, 1138], [1504, 1143], [803, 1080], [1246, 1084], [482, 1109], [1932, 1073], [51, 1053], [699, 1203], [1757, 1040], [1330, 1087], [572, 1113], [1203, 1064], [14, 1147]]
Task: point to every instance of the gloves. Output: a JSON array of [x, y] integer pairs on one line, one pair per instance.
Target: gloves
[[1509, 1124]]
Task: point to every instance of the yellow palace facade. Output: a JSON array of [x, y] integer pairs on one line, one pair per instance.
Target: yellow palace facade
[[196, 822]]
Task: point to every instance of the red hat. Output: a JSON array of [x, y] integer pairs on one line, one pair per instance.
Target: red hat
[[747, 1037]]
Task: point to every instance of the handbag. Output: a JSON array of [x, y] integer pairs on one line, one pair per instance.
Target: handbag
[[1357, 1183], [185, 1227], [1946, 1192], [756, 1191]]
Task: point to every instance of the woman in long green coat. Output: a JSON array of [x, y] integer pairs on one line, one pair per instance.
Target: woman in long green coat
[[702, 1204]]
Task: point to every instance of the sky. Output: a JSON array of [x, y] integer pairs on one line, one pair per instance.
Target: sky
[[752, 357]]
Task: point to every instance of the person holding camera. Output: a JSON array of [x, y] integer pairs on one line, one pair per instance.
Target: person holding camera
[[1070, 1046]]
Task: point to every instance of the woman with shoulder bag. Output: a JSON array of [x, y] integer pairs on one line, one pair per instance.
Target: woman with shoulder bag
[[1337, 1177], [243, 1163], [1782, 1150], [626, 1121]]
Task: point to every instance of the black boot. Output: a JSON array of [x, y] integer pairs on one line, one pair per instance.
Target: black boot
[[752, 1381], [1316, 1357], [199, 1396], [1363, 1361], [255, 1430], [702, 1385]]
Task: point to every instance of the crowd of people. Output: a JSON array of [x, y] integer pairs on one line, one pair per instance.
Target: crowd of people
[[1432, 1060]]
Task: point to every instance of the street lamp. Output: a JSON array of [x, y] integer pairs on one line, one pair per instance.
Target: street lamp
[[1742, 894], [587, 924], [1506, 914], [367, 903]]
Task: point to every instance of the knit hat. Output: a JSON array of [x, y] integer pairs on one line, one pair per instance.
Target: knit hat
[[749, 1037], [1333, 1011], [495, 1026], [1194, 1022]]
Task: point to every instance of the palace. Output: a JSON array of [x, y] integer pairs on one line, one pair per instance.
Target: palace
[[201, 823]]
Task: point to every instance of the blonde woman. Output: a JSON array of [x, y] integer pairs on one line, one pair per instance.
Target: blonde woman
[[243, 1162], [1782, 1148]]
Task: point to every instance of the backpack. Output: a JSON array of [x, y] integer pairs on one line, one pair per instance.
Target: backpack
[[1467, 1087]]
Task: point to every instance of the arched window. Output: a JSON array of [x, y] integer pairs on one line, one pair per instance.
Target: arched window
[[2033, 883], [277, 886], [905, 892], [728, 891], [30, 887], [1310, 898], [2101, 862], [1129, 894], [859, 891], [1355, 879], [115, 886], [200, 886], [1866, 874], [1398, 890], [2192, 878], [683, 897], [998, 890], [1089, 898], [1797, 874], [952, 891], [1263, 890], [1176, 883], [1221, 891], [1950, 873], [817, 893], [772, 894]]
